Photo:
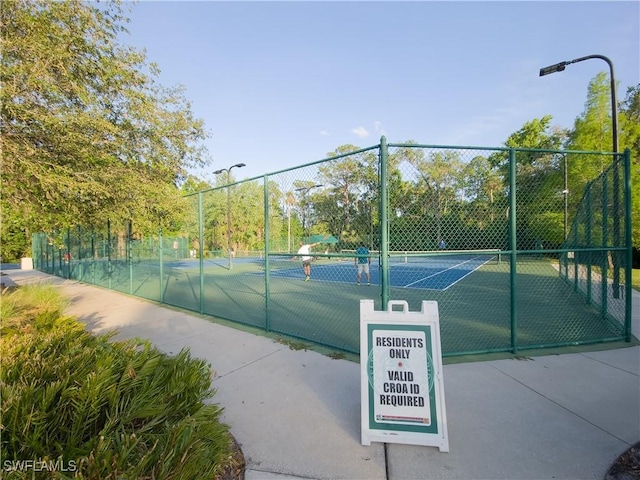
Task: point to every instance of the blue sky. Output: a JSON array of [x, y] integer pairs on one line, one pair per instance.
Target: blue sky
[[281, 84]]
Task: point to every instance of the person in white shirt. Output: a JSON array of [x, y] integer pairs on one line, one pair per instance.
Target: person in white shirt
[[304, 252]]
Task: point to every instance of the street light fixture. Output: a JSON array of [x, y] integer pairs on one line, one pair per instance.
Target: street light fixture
[[218, 172], [559, 67], [305, 192]]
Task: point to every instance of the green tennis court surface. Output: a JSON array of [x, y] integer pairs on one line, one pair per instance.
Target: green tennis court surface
[[474, 296]]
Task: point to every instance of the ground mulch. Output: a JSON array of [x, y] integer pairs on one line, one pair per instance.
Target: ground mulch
[[233, 469], [627, 466]]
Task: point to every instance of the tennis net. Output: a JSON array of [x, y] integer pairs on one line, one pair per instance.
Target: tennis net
[[398, 257]]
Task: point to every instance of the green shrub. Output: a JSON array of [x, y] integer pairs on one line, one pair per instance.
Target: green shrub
[[111, 409], [31, 306]]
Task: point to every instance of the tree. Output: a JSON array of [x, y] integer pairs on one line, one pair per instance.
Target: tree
[[347, 207], [538, 180], [87, 132], [193, 184], [439, 179], [483, 188], [481, 182], [630, 138], [592, 131], [534, 134]]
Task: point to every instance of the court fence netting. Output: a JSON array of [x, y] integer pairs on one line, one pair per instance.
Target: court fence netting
[[549, 233]]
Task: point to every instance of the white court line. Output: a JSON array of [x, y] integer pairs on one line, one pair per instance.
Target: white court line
[[446, 270]]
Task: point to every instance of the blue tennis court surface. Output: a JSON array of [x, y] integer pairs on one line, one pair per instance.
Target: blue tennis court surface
[[430, 274]]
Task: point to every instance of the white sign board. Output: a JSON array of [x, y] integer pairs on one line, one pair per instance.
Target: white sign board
[[401, 375]]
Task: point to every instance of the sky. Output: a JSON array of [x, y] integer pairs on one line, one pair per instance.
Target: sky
[[281, 84]]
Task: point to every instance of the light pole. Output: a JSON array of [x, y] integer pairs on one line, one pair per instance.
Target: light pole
[[305, 192], [218, 172], [559, 67], [565, 194], [289, 200]]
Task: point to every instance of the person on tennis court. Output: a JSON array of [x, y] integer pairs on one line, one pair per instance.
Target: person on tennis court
[[362, 263], [304, 252]]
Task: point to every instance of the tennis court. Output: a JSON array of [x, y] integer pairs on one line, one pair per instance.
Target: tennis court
[[557, 277], [418, 270], [472, 290]]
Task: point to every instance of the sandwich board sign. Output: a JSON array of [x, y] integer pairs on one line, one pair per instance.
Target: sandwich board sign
[[402, 388]]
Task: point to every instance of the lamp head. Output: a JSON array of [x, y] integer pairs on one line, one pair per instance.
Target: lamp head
[[558, 67]]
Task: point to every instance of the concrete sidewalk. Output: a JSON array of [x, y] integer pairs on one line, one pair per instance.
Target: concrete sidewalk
[[296, 414]]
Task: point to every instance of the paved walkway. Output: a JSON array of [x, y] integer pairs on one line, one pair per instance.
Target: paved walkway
[[296, 414]]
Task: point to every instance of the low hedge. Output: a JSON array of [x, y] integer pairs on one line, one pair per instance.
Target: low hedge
[[76, 405]]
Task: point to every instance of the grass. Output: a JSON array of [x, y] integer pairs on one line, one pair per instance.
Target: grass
[[23, 306], [635, 276], [108, 409], [292, 344]]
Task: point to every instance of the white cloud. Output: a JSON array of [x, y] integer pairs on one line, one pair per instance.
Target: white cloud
[[361, 132], [324, 133]]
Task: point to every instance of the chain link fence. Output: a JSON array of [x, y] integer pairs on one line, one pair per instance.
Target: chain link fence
[[521, 249], [595, 260]]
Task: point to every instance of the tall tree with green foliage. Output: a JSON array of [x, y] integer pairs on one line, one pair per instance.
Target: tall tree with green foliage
[[349, 199], [592, 131], [629, 120], [87, 131], [538, 180], [484, 192], [408, 212], [439, 175]]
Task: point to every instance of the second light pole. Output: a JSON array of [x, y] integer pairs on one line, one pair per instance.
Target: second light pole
[[218, 172]]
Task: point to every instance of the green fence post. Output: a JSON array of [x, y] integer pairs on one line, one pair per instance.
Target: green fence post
[[616, 255], [160, 252], [68, 254], [267, 290], [51, 257], [95, 255], [130, 255], [629, 244], [576, 257], [201, 249], [384, 225], [109, 253], [588, 226], [79, 273], [513, 245], [604, 279]]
